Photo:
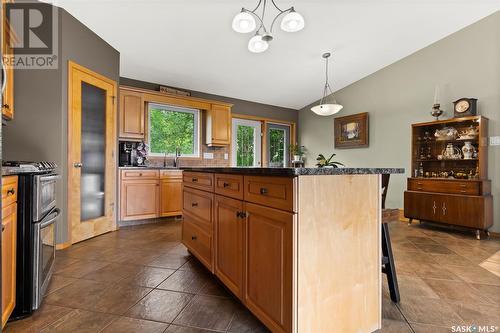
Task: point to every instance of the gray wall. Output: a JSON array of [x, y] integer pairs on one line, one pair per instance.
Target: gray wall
[[39, 129], [240, 106], [464, 64]]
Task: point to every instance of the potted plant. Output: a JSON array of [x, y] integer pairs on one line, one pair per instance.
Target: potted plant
[[297, 152], [327, 163]]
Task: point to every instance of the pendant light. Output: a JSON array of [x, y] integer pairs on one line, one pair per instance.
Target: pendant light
[[254, 20], [327, 105]]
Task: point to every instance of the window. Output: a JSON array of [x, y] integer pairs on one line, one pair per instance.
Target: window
[[278, 140], [173, 127]]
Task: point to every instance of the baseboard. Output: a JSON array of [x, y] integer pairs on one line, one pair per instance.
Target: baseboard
[[149, 221], [63, 246]]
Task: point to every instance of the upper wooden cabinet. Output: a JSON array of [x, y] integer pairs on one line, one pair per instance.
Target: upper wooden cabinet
[[132, 115], [8, 93], [219, 125]]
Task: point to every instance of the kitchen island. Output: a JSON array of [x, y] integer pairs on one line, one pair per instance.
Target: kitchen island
[[301, 248]]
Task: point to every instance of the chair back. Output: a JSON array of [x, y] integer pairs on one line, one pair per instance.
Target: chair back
[[385, 185]]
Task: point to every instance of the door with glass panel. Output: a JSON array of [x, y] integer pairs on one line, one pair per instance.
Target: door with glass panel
[[278, 141], [91, 157], [246, 143]]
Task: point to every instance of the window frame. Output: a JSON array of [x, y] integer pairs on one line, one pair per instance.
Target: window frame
[[196, 131]]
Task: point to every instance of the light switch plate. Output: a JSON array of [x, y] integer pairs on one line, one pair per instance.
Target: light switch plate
[[494, 140], [226, 156], [208, 156]]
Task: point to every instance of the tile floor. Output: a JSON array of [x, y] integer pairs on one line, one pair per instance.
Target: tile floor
[[141, 279]]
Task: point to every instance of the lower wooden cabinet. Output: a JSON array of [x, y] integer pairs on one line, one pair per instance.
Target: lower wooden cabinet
[[9, 243], [139, 199], [463, 210], [198, 241], [170, 196], [229, 242], [268, 266]]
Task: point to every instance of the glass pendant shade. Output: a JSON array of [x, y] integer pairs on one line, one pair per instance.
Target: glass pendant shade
[[244, 23], [326, 109], [257, 44], [292, 22]]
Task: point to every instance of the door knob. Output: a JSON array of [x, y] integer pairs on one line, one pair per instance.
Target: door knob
[[77, 164]]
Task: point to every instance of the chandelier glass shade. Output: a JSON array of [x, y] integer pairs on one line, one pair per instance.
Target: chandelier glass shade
[[247, 21], [328, 105]]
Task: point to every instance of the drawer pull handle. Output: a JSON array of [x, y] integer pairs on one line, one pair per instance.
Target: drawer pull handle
[[6, 106], [193, 237], [463, 191], [11, 191], [419, 188], [194, 180], [241, 215], [225, 185], [140, 174], [263, 190], [462, 185], [419, 183], [3, 227], [194, 204]]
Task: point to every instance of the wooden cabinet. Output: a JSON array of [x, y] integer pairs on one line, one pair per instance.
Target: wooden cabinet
[[229, 185], [229, 242], [8, 94], [139, 199], [275, 192], [455, 190], [219, 125], [199, 180], [463, 210], [268, 266], [198, 241], [170, 193], [132, 115], [9, 243]]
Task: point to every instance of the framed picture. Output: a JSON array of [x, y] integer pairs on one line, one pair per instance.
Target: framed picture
[[351, 131]]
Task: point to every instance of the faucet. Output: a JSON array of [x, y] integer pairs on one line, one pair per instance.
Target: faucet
[[165, 159], [176, 158]]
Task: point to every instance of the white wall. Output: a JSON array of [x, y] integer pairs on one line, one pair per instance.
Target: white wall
[[464, 64]]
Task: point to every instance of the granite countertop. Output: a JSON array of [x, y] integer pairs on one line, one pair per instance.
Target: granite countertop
[[291, 172], [149, 168]]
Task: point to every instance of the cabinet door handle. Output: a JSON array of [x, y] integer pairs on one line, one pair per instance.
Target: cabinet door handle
[[193, 237], [4, 77], [434, 207], [263, 190], [444, 208], [3, 227], [77, 164], [11, 191], [194, 180], [194, 204], [225, 185], [6, 106]]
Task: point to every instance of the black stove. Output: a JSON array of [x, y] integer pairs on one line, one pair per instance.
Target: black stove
[[11, 167]]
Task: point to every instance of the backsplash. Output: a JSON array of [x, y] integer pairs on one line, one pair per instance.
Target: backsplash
[[217, 161]]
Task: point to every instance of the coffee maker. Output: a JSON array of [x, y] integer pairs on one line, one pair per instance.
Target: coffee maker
[[126, 151]]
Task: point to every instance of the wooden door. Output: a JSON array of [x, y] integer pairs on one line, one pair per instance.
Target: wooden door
[[171, 196], [139, 199], [467, 211], [229, 239], [132, 115], [422, 206], [91, 153], [8, 93], [268, 266], [9, 236]]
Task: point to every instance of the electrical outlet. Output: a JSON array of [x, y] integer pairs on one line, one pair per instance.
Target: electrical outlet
[[494, 140], [208, 156], [226, 156]]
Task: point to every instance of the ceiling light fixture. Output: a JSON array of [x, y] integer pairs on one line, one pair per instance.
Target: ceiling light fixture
[[326, 107], [248, 21]]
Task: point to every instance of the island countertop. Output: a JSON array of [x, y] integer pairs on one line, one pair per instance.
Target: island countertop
[[293, 172]]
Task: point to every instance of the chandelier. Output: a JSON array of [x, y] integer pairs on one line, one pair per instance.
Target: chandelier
[[248, 21], [327, 105]]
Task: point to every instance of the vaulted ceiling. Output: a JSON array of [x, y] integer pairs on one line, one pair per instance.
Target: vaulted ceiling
[[190, 43]]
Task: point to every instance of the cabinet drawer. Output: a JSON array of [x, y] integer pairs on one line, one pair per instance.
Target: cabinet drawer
[[276, 192], [445, 186], [9, 190], [197, 241], [200, 180], [170, 174], [229, 185], [199, 204], [140, 174]]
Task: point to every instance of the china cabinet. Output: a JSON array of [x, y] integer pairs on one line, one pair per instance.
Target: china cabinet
[[449, 182]]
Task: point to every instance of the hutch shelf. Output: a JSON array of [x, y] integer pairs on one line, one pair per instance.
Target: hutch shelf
[[449, 182]]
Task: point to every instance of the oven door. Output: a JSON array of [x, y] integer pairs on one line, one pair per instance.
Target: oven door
[[44, 255], [44, 195]]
